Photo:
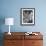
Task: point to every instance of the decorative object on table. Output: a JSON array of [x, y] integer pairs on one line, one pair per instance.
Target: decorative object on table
[[9, 21], [27, 16], [30, 33]]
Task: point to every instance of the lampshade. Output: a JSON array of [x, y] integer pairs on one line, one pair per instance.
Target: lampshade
[[9, 21]]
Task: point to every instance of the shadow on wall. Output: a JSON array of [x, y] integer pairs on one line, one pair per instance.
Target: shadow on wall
[[2, 21]]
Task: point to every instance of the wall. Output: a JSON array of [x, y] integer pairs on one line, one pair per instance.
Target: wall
[[11, 8]]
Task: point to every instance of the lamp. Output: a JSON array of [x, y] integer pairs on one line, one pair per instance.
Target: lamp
[[9, 21]]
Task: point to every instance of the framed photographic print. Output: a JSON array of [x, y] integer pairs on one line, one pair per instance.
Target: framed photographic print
[[27, 16]]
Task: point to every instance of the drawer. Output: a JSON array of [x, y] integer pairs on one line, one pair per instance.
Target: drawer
[[13, 43], [37, 43], [33, 43], [12, 37], [9, 43], [33, 37]]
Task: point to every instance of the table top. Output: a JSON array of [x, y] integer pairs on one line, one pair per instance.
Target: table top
[[22, 35]]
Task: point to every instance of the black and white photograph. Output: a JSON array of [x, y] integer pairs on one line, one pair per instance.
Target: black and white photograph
[[28, 16]]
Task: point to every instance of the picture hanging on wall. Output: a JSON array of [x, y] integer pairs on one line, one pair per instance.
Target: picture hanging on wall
[[27, 16]]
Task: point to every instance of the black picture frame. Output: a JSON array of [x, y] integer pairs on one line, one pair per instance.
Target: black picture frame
[[27, 16]]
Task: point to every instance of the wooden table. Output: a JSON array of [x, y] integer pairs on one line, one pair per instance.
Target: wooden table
[[20, 39]]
